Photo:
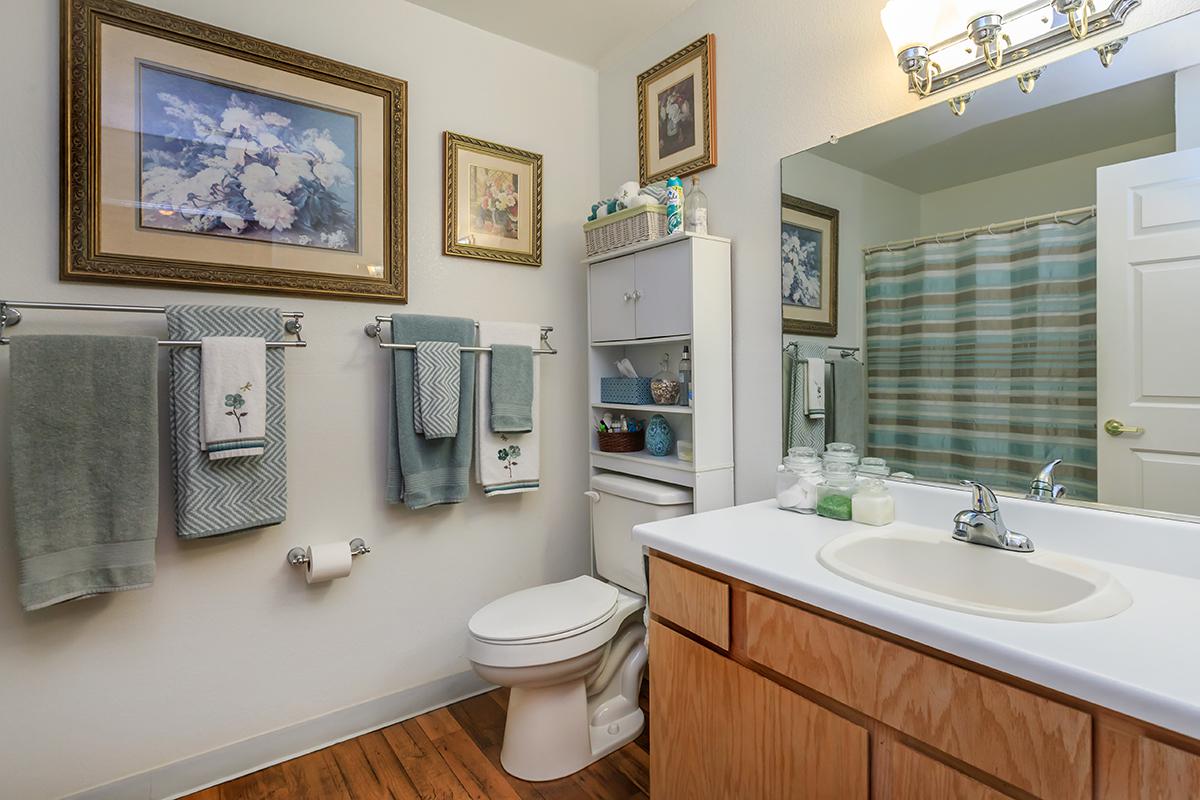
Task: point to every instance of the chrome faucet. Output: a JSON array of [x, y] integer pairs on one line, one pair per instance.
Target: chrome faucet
[[982, 524], [1043, 488]]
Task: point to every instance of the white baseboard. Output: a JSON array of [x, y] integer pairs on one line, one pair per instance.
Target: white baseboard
[[249, 755]]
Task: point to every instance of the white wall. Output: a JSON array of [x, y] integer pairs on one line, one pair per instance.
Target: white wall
[[1044, 189], [230, 642], [789, 75], [1187, 108]]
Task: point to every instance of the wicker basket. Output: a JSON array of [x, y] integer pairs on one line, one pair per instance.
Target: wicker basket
[[631, 226], [618, 442]]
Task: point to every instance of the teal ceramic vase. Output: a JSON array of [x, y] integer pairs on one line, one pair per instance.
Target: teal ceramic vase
[[659, 436]]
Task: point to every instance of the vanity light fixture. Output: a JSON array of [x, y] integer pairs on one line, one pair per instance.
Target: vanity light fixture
[[940, 44]]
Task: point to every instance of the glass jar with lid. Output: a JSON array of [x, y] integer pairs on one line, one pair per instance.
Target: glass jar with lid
[[838, 484], [796, 484], [843, 452], [872, 467], [873, 504]]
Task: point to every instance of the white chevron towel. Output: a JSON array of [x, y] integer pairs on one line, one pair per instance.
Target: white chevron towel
[[436, 387]]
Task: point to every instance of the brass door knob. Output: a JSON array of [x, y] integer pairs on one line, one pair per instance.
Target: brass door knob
[[1114, 427]]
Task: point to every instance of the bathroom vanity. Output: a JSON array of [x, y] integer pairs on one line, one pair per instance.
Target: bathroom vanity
[[774, 676]]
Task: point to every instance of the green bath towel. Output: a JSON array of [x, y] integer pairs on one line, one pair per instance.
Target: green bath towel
[[84, 419], [512, 388], [425, 472]]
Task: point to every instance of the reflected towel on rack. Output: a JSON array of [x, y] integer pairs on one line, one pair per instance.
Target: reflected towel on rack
[[803, 431], [506, 462], [814, 388], [424, 472], [437, 369], [84, 421], [234, 494], [848, 402], [233, 396]]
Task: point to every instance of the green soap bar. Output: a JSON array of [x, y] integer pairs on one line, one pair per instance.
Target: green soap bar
[[835, 506]]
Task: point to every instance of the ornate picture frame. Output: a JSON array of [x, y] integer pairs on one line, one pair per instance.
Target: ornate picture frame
[[493, 201], [197, 156], [677, 113], [808, 263]]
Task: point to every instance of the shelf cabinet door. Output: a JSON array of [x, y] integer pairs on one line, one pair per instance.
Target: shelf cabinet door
[[722, 732], [664, 286], [611, 303]]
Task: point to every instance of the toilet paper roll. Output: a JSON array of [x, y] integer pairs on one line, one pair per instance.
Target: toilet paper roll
[[327, 561]]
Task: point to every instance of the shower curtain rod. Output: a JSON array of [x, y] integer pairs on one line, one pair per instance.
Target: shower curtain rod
[[1069, 217]]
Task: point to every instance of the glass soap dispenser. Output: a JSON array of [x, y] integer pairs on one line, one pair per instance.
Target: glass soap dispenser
[[695, 209]]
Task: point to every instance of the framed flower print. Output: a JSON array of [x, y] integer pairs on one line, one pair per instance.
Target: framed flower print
[[198, 156], [808, 263], [677, 130], [493, 201]]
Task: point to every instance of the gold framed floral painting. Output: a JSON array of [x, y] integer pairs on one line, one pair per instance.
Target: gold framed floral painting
[[493, 201], [808, 263], [677, 129], [202, 157]]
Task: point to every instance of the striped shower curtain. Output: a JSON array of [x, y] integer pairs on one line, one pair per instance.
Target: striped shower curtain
[[981, 357]]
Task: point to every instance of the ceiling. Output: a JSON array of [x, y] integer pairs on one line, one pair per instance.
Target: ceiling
[[582, 30]]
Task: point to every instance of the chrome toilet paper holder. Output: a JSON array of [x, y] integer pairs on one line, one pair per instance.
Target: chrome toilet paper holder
[[298, 555]]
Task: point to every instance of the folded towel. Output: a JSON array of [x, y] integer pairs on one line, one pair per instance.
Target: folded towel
[[436, 386], [233, 396], [511, 387], [506, 463], [232, 494], [84, 418], [814, 388], [424, 472]]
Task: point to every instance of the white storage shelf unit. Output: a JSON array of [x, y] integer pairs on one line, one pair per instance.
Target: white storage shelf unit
[[655, 298]]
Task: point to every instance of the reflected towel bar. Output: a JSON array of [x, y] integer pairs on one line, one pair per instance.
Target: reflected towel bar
[[374, 330], [10, 316]]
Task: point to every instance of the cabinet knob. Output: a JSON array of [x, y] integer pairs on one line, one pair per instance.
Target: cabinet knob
[[1114, 427], [637, 295], [628, 297]]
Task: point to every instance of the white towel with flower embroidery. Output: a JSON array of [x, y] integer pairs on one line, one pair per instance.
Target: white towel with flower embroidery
[[506, 463], [233, 396]]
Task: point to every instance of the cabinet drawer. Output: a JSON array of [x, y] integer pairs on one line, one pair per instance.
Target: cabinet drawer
[[690, 600], [1132, 766], [1026, 740], [909, 775]]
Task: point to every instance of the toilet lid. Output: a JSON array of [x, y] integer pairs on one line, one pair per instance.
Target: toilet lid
[[549, 610]]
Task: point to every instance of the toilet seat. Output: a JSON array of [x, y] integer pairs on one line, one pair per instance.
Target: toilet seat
[[554, 648], [545, 613]]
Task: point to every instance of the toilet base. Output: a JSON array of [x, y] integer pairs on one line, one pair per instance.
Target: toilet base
[[553, 731]]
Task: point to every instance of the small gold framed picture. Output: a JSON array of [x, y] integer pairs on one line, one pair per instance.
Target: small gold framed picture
[[808, 260], [493, 201], [677, 113]]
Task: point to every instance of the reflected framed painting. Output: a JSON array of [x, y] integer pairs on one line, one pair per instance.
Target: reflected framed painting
[[198, 156], [677, 129], [493, 201], [808, 267]]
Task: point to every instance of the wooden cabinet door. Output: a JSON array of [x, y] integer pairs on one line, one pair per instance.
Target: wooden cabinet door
[[1133, 766], [611, 302], [905, 774], [664, 291], [719, 731]]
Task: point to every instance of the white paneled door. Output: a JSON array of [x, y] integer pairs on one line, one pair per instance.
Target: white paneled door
[[1148, 330]]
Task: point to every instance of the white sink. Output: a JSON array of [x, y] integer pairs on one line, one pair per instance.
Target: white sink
[[931, 567]]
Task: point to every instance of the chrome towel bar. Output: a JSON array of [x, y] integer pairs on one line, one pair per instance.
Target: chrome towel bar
[[374, 330]]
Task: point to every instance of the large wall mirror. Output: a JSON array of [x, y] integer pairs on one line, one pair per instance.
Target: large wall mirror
[[976, 296]]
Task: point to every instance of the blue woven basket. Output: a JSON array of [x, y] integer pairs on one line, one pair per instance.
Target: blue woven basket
[[632, 391]]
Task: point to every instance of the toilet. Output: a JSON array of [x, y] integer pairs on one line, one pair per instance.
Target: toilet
[[574, 652]]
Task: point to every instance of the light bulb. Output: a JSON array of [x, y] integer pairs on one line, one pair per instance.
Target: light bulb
[[908, 23]]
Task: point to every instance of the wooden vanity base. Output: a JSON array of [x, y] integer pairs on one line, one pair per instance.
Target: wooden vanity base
[[756, 696]]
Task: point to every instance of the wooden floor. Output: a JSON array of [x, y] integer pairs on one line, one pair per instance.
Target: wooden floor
[[452, 753]]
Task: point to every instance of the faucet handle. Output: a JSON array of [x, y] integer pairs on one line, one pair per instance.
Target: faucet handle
[[1043, 487], [983, 499]]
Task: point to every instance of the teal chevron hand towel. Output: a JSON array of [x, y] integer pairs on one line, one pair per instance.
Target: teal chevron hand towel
[[213, 497], [437, 382], [425, 472], [84, 457]]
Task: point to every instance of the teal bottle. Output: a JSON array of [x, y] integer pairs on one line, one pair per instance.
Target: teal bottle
[[674, 205]]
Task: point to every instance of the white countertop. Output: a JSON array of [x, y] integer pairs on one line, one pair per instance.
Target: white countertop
[[1143, 662]]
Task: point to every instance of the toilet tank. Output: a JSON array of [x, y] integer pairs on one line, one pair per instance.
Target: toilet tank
[[619, 502]]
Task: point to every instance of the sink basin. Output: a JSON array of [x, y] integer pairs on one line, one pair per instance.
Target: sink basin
[[931, 567]]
